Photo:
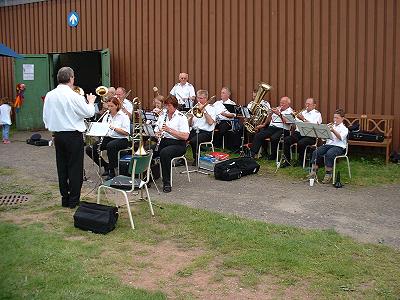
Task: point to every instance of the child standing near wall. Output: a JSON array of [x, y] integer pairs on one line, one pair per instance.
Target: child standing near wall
[[5, 119]]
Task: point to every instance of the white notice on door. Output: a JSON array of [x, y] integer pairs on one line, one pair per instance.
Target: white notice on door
[[28, 71]]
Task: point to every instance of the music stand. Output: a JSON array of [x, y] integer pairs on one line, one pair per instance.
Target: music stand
[[198, 156], [317, 131], [290, 120]]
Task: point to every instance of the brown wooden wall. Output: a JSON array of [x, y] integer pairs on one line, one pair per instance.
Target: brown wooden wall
[[345, 53]]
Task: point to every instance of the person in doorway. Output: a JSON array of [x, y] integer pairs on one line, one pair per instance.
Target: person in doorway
[[64, 112]]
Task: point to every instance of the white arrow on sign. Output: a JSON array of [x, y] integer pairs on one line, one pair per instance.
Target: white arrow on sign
[[73, 19]]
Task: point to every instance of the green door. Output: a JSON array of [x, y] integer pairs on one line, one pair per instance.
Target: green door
[[105, 67], [33, 71]]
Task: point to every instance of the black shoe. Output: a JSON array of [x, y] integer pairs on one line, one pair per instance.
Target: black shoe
[[64, 202], [167, 189], [285, 164], [73, 205], [179, 162], [194, 163]]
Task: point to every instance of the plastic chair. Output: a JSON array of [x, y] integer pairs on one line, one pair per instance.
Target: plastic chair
[[172, 163], [210, 143], [334, 163], [138, 166]]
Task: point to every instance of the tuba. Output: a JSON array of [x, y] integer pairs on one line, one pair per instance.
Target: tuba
[[258, 112]]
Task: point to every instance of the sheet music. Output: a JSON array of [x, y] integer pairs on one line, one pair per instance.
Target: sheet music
[[98, 129], [314, 130]]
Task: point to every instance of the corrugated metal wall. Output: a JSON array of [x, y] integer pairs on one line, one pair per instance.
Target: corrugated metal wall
[[345, 53]]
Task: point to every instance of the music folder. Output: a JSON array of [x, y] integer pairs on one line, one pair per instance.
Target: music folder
[[230, 108], [314, 130], [245, 112], [98, 129]]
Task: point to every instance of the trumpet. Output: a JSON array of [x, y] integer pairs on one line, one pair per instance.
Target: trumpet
[[196, 111], [298, 113], [330, 125], [102, 92], [79, 90]]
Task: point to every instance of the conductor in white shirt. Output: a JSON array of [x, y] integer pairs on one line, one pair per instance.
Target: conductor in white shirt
[[64, 112]]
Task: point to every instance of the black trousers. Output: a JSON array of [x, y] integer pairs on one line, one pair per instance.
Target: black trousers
[[112, 146], [272, 132], [69, 159], [302, 142], [223, 127], [195, 140], [168, 149]]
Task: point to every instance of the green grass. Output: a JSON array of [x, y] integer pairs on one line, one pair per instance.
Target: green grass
[[36, 259]]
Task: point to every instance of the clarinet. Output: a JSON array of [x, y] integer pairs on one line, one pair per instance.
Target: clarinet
[[162, 133]]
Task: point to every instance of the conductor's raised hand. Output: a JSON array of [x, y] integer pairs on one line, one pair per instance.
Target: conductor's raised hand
[[90, 98]]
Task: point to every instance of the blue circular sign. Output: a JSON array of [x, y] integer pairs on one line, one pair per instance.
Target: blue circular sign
[[73, 19]]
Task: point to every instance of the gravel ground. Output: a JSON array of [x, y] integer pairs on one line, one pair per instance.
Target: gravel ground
[[366, 214]]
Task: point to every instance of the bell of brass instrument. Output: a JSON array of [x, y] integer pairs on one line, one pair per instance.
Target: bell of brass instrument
[[197, 112], [102, 92], [79, 90], [258, 112]]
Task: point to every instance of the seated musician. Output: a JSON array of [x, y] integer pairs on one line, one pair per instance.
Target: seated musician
[[224, 117], [308, 115], [184, 92], [173, 131], [264, 103], [103, 105], [158, 105], [333, 147], [202, 127], [127, 106], [277, 127], [115, 140]]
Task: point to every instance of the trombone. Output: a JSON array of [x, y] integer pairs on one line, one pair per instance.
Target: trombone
[[196, 111]]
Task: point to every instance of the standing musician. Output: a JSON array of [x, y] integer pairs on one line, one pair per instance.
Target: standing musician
[[224, 117], [308, 115], [184, 92], [172, 130], [127, 106], [64, 112], [202, 127], [277, 126], [115, 140], [333, 147]]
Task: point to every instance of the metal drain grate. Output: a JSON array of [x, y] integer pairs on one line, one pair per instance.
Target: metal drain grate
[[8, 200]]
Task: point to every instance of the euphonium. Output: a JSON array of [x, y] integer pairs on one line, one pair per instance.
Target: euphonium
[[259, 113]]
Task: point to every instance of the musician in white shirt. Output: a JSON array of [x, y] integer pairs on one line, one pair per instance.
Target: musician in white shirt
[[172, 130], [127, 106], [115, 140], [64, 114], [224, 117], [202, 127], [333, 147], [308, 115], [184, 92], [277, 126]]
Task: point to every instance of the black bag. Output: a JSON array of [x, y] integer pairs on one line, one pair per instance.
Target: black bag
[[227, 170], [366, 136], [41, 142], [95, 217], [235, 168]]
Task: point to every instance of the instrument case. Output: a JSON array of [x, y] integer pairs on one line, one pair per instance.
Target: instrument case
[[95, 217], [235, 168]]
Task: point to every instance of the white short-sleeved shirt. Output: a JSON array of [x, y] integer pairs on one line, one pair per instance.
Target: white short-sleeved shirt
[[220, 108], [201, 123], [343, 132], [276, 120], [313, 116], [178, 122], [183, 93], [65, 110], [263, 103], [5, 114], [120, 120], [127, 105]]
